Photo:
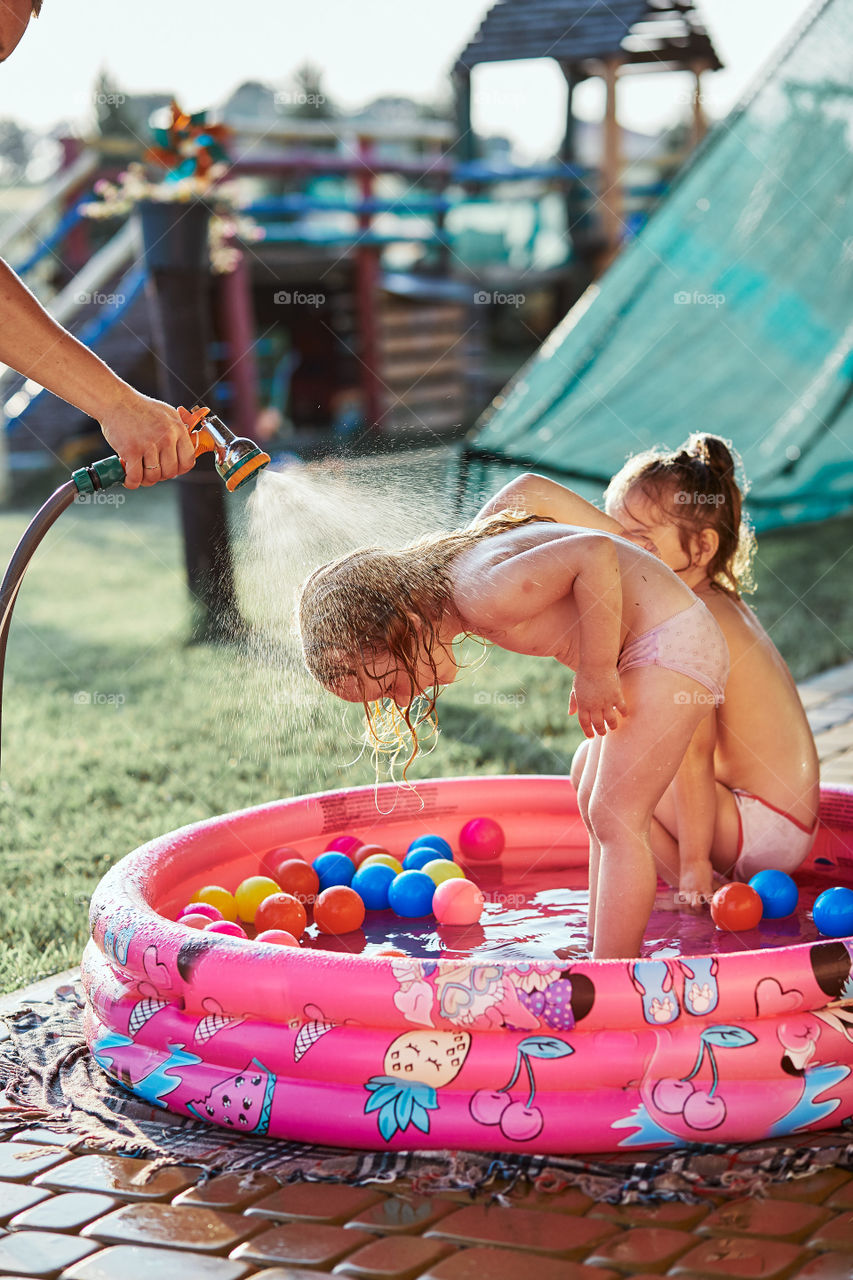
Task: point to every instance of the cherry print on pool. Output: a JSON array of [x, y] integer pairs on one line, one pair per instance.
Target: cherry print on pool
[[417, 1064], [517, 1120], [657, 982]]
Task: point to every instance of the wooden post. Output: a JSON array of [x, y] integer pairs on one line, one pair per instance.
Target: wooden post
[[237, 325], [465, 146], [700, 124], [611, 208], [367, 299]]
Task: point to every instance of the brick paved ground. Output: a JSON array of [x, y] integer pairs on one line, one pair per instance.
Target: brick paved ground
[[79, 1215]]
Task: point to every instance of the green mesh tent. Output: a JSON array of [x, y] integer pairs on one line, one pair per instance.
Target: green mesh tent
[[731, 312]]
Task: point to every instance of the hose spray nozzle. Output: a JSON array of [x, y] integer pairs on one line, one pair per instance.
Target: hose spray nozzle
[[236, 458]]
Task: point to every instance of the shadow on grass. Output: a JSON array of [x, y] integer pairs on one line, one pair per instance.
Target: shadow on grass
[[510, 751]]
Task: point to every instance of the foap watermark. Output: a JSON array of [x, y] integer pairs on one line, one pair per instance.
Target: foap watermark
[[686, 298], [692, 899], [688, 497], [299, 98], [684, 699], [483, 698], [103, 498], [96, 698], [507, 901], [485, 297], [101, 299], [288, 298]]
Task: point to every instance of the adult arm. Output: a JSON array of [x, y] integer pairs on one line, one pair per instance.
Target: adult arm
[[139, 428]]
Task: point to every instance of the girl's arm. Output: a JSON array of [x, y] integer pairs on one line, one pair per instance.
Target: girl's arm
[[695, 795], [496, 597], [543, 497]]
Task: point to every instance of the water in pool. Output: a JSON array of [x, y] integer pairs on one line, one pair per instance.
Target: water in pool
[[544, 914]]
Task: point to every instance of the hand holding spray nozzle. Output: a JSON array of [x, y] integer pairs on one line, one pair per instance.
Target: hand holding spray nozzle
[[237, 459]]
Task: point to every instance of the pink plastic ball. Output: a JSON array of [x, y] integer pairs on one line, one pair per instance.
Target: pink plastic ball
[[229, 927], [278, 937], [344, 844], [201, 909], [458, 902], [195, 920], [481, 839]]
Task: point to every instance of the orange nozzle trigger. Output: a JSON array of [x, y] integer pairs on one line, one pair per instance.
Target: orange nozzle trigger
[[202, 441]]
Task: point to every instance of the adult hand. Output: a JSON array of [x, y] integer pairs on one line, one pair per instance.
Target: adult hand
[[150, 439]]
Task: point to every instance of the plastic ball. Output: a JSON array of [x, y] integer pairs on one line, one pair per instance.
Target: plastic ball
[[410, 894], [369, 851], [736, 907], [417, 859], [274, 858], [778, 893], [278, 937], [228, 927], [833, 912], [333, 868], [299, 878], [441, 846], [218, 897], [251, 893], [281, 911], [481, 839], [344, 844], [338, 909], [458, 902], [372, 884], [440, 870], [384, 860], [195, 920], [201, 909]]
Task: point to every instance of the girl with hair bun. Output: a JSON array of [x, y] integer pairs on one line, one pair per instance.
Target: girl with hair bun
[[751, 770]]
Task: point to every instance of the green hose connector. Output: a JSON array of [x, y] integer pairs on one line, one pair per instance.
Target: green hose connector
[[99, 475]]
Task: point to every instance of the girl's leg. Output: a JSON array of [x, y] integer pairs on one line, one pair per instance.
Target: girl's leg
[[584, 766], [636, 764]]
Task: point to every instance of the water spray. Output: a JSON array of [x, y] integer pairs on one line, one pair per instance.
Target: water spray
[[236, 459]]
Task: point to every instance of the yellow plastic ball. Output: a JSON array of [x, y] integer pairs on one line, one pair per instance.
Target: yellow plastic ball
[[218, 897], [251, 893], [441, 869], [383, 860]]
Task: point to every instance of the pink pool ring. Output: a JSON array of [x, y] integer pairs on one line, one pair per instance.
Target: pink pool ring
[[393, 1051]]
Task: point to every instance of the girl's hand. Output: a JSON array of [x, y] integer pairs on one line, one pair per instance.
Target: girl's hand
[[695, 885], [642, 540], [597, 699]]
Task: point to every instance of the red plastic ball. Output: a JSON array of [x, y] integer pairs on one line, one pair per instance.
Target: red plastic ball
[[273, 859], [367, 851], [338, 909], [278, 937], [281, 911], [736, 907], [299, 878], [481, 839]]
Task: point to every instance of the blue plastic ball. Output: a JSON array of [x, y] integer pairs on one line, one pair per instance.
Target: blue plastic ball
[[417, 859], [333, 868], [410, 894], [442, 847], [372, 884], [778, 893], [833, 912]]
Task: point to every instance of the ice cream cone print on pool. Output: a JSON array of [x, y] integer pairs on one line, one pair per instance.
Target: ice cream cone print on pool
[[417, 1064]]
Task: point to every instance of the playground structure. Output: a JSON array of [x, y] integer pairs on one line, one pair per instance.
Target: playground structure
[[363, 313]]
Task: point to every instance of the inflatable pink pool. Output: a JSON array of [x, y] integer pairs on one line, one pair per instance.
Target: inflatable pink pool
[[437, 1050]]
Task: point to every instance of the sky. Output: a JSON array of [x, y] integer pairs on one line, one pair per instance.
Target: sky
[[202, 49]]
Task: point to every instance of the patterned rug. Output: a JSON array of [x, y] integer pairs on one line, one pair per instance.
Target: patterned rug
[[48, 1078]]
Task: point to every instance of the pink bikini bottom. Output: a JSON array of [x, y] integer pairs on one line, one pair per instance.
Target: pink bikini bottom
[[690, 643]]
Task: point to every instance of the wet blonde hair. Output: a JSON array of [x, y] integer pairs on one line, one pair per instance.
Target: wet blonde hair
[[375, 601], [696, 488]]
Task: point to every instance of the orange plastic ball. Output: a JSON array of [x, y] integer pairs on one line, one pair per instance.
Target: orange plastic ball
[[736, 907], [338, 909], [299, 878], [281, 911], [273, 858]]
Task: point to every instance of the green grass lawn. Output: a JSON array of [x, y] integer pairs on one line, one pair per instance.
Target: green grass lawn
[[116, 731]]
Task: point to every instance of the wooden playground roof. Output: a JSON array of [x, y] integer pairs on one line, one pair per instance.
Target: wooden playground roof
[[661, 35]]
